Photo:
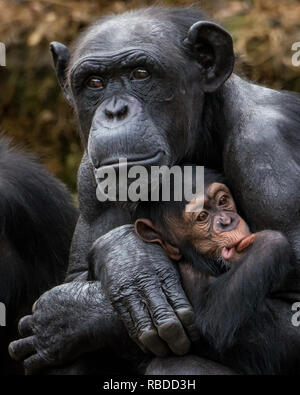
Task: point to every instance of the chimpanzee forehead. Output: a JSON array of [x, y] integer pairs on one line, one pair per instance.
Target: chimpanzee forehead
[[214, 188], [204, 200], [118, 33]]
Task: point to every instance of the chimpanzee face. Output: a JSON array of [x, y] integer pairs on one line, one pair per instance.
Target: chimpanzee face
[[214, 230], [137, 84], [130, 98], [209, 226]]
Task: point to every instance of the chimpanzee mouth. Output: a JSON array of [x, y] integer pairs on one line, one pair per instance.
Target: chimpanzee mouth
[[130, 179], [227, 253], [242, 244], [149, 159]]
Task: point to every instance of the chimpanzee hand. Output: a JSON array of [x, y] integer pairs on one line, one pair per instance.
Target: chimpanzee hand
[[144, 287], [67, 321]]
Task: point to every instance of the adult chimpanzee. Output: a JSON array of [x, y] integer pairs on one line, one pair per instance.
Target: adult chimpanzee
[[37, 219], [156, 86]]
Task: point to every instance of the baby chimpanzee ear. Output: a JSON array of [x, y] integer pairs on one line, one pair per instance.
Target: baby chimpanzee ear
[[148, 233]]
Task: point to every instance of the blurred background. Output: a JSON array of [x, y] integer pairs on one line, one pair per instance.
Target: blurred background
[[32, 108]]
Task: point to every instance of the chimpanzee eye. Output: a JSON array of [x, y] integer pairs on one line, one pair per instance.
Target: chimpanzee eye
[[223, 200], [95, 83], [202, 216], [140, 74]]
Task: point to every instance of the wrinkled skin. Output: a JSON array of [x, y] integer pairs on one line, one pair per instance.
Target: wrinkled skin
[[171, 312], [45, 346], [247, 131]]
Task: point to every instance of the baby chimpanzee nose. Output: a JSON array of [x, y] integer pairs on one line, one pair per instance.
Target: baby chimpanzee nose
[[226, 222]]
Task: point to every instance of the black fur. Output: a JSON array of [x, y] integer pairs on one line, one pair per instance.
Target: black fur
[[36, 225]]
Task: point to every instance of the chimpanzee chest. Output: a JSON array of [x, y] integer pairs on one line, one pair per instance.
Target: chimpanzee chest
[[264, 179]]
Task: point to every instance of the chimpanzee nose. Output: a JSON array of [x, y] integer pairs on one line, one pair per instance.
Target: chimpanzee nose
[[116, 110], [226, 222]]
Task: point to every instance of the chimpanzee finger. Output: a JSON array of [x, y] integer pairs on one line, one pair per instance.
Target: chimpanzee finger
[[150, 338], [168, 325], [36, 364], [189, 324], [141, 329], [25, 326], [21, 349], [182, 307]]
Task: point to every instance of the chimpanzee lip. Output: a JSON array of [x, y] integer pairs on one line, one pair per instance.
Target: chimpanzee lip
[[236, 243], [137, 159], [227, 253], [228, 249]]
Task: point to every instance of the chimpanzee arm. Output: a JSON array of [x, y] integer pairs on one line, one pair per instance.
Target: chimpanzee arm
[[269, 343], [233, 298], [87, 317], [77, 317], [95, 221], [130, 263]]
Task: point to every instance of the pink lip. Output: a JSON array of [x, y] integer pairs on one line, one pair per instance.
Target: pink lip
[[227, 253]]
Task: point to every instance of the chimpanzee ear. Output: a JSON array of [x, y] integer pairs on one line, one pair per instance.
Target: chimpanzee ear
[[61, 57], [147, 232], [212, 46]]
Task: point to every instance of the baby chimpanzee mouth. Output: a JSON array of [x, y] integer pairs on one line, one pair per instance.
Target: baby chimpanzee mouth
[[228, 252]]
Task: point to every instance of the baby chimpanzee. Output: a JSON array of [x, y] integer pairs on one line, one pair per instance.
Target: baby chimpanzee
[[207, 231], [230, 276], [227, 272]]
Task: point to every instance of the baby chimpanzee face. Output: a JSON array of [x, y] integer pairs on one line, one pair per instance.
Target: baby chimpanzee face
[[215, 229], [209, 226]]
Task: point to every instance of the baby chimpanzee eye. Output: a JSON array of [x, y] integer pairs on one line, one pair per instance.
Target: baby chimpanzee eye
[[202, 216], [223, 200]]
